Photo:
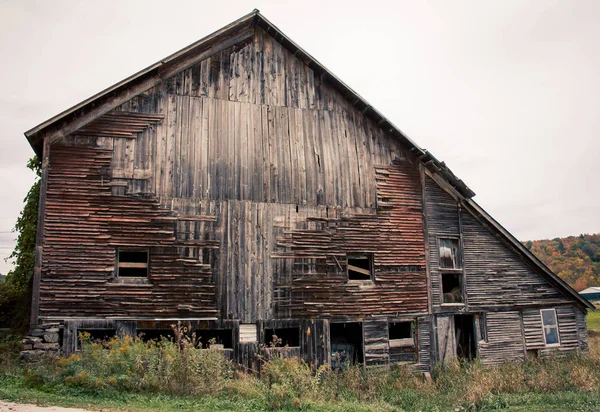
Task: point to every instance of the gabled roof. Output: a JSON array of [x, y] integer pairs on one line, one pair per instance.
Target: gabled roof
[[78, 115], [91, 109]]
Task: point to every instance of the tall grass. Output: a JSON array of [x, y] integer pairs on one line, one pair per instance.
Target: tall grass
[[179, 367]]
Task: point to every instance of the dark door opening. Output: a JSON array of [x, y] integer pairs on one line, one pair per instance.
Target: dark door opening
[[346, 344], [466, 346]]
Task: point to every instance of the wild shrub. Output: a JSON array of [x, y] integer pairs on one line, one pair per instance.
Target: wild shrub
[[172, 367]]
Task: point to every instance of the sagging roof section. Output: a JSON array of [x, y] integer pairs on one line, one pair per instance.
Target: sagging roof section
[[97, 105]]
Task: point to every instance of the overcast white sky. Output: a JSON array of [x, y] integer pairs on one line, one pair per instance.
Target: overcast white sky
[[506, 92]]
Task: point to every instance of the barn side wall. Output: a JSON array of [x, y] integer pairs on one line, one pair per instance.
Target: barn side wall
[[497, 286]]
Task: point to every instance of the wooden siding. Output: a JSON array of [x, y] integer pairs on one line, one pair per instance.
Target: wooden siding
[[241, 153], [568, 330], [321, 152], [442, 221], [376, 341], [319, 285], [84, 226], [495, 275], [505, 340], [424, 343], [582, 329]]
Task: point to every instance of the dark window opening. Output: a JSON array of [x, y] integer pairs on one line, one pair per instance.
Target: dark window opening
[[132, 264], [346, 344], [400, 330], [464, 328], [95, 335], [449, 255], [156, 335], [282, 337], [533, 354], [452, 288], [360, 267], [208, 337]]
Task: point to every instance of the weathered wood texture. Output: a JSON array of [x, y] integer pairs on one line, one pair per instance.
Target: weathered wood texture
[[568, 330], [424, 343], [504, 338], [376, 343], [253, 124], [496, 277], [319, 285], [85, 224]]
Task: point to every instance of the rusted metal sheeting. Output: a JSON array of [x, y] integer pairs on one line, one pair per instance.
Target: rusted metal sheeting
[[85, 224]]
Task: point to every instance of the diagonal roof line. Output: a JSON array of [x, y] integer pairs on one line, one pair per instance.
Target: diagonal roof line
[[528, 254], [32, 132], [433, 164]]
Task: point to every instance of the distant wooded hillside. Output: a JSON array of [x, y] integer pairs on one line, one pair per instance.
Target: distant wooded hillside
[[576, 259]]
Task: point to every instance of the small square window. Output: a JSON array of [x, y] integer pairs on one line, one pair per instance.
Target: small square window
[[401, 334], [360, 267], [132, 263], [449, 255], [550, 327]]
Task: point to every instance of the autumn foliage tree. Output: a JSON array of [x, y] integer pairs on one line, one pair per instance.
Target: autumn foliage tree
[[576, 259]]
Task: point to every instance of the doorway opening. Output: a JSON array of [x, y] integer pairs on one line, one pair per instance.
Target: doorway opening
[[346, 344], [466, 345]]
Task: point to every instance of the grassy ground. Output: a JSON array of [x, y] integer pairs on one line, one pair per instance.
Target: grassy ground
[[14, 390], [593, 321], [544, 387]]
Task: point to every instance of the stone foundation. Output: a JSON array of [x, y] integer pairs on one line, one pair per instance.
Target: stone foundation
[[42, 340]]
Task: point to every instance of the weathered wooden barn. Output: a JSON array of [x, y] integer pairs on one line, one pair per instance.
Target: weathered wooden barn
[[240, 187]]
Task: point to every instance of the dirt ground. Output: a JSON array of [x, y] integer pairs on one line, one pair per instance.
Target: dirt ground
[[23, 407]]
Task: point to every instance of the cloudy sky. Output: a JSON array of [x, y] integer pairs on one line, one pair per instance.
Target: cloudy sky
[[506, 92]]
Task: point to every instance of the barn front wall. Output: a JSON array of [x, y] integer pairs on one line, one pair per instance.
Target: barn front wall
[[264, 210]]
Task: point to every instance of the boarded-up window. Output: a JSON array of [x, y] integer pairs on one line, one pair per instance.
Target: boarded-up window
[[401, 334], [248, 333], [360, 267], [449, 254], [132, 263], [550, 326]]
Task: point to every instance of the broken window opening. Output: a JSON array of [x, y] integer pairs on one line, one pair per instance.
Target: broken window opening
[[215, 338], [401, 334], [132, 263], [449, 254], [360, 267], [452, 288], [283, 337], [550, 327], [464, 328], [346, 344]]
